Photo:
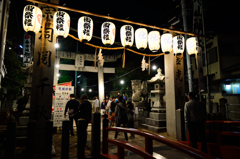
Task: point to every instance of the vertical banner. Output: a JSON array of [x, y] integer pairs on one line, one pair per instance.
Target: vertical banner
[[62, 96], [27, 54]]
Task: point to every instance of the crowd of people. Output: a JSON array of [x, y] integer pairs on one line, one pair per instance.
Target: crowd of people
[[120, 111]]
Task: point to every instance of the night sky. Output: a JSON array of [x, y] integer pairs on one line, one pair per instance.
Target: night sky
[[220, 17]]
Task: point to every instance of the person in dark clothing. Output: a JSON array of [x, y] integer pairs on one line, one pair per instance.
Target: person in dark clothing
[[195, 117], [130, 115], [72, 107], [22, 102], [103, 107], [85, 113], [111, 113], [121, 116]]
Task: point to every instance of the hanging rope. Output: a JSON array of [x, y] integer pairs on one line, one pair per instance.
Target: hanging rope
[[149, 65], [95, 60], [123, 65], [116, 48]]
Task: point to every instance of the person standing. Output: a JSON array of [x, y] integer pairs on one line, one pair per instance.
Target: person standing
[[96, 104], [103, 107], [111, 110], [195, 117], [85, 112], [124, 97], [130, 115], [121, 116], [72, 107]]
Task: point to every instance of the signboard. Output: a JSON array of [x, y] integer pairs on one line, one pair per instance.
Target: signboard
[[79, 61], [62, 96]]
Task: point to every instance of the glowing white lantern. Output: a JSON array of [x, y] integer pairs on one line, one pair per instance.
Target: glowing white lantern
[[192, 45], [108, 33], [85, 28], [141, 37], [178, 44], [154, 41], [61, 23], [127, 35], [32, 18], [166, 43]]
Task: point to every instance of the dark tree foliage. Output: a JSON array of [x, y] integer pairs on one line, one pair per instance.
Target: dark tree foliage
[[14, 79]]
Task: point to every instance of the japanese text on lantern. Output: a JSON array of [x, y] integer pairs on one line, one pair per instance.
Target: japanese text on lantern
[[60, 21], [106, 31], [87, 26], [29, 15], [180, 42], [128, 33]]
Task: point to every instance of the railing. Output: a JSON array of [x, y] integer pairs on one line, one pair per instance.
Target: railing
[[215, 127], [147, 151]]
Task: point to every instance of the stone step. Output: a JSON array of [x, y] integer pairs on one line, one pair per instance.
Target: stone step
[[155, 129], [23, 120], [21, 141], [156, 123], [21, 131], [157, 116]]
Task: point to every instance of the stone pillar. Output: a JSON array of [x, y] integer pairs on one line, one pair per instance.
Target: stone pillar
[[174, 89], [101, 92], [42, 79]]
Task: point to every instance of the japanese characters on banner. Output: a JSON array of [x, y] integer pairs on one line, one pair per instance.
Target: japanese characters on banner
[[62, 96], [27, 57], [79, 60]]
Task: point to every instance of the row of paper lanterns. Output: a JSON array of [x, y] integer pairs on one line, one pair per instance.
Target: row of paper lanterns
[[32, 20]]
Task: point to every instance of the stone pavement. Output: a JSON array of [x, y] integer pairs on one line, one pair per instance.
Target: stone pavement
[[161, 151]]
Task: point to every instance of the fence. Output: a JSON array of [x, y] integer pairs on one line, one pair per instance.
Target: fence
[[146, 151]]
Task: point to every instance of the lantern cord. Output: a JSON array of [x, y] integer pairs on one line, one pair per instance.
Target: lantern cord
[[123, 65], [149, 65], [95, 61], [116, 48], [111, 18]]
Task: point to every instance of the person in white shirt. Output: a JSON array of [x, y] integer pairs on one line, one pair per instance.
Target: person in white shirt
[[96, 104]]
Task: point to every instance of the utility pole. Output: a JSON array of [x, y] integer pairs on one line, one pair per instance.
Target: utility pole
[[185, 28]]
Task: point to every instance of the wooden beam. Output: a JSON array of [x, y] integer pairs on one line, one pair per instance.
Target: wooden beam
[[85, 69]]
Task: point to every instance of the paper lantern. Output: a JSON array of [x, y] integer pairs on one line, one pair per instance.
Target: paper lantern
[[192, 45], [85, 28], [154, 41], [32, 18], [61, 23], [141, 37], [178, 44], [108, 33], [166, 43], [127, 35]]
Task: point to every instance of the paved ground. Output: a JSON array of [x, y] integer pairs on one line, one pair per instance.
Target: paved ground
[[161, 151]]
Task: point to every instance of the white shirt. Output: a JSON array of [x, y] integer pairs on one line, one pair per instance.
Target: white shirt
[[96, 103]]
